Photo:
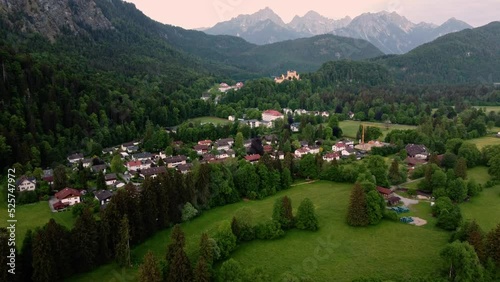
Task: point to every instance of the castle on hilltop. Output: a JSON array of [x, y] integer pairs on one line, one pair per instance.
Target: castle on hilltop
[[290, 75]]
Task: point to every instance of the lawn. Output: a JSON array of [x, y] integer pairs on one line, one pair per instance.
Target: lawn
[[32, 216], [214, 120], [351, 127], [485, 208], [337, 251], [479, 173]]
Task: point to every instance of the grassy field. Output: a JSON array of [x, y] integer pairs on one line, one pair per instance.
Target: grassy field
[[32, 216], [484, 141], [214, 120], [351, 127], [336, 250], [489, 108], [485, 208]]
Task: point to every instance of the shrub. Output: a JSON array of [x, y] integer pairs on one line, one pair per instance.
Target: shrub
[[391, 215], [189, 212], [269, 230], [226, 240]]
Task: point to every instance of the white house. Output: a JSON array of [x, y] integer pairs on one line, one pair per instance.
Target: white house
[[110, 178], [201, 149], [75, 158], [68, 196], [26, 184], [331, 156], [295, 127], [87, 163], [314, 149], [103, 196], [339, 147], [134, 165], [175, 161], [302, 151], [271, 115]]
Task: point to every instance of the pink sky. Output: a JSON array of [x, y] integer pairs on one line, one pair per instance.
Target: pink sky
[[206, 13]]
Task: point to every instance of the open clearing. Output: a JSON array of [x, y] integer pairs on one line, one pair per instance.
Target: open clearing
[[355, 252], [214, 120], [350, 127], [484, 141]]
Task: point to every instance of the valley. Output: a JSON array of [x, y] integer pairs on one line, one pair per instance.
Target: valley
[[269, 147]]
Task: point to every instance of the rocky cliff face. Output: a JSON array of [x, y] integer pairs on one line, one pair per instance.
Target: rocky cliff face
[[52, 17]]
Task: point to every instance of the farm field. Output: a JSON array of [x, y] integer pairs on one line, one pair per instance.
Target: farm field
[[350, 127], [351, 252]]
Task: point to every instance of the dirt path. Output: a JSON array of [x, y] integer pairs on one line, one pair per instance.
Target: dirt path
[[406, 201], [303, 183]]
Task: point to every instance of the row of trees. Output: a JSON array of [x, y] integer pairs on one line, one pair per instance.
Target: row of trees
[[177, 266]]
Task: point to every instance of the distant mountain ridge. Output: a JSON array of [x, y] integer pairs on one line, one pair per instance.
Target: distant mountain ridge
[[465, 57], [119, 28], [394, 34], [390, 32]]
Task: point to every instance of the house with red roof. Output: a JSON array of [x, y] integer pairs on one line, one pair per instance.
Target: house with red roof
[[302, 151], [339, 147], [134, 165], [252, 158], [271, 115], [385, 192], [68, 196], [331, 156]]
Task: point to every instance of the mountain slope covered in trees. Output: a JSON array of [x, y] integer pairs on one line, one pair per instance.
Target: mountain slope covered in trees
[[469, 56]]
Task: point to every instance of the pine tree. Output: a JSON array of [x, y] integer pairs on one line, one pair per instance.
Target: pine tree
[[202, 271], [85, 240], [162, 200], [235, 227], [306, 216], [149, 270], [4, 252], [394, 175], [282, 212], [357, 214], [101, 181], [60, 247], [44, 266], [177, 242], [180, 267], [123, 247], [26, 257], [60, 178], [475, 237], [148, 206], [461, 168], [206, 249], [202, 186], [493, 245]]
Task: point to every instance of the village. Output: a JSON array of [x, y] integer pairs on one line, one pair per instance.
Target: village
[[139, 164]]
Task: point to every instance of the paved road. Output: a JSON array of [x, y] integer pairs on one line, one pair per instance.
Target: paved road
[[407, 202]]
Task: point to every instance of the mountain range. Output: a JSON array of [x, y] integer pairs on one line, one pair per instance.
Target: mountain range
[[390, 32], [113, 36]]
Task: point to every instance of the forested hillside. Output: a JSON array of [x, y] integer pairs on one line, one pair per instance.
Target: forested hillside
[[469, 56]]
